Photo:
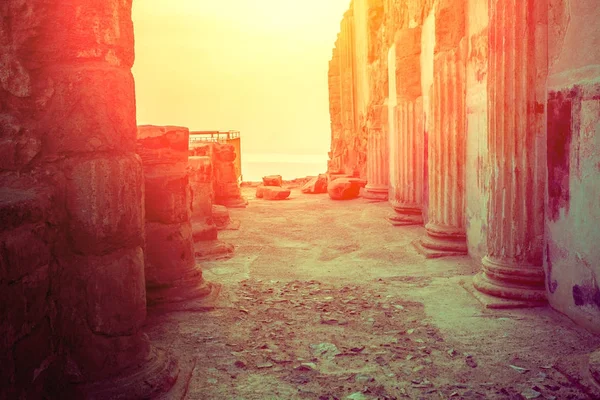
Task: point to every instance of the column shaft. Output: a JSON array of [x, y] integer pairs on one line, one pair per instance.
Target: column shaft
[[377, 155], [517, 67], [406, 187], [446, 148]]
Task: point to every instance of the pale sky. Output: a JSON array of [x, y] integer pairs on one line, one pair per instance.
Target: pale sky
[[257, 66]]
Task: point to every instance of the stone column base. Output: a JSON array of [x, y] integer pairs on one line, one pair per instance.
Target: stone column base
[[442, 242], [375, 192], [188, 294], [238, 202], [510, 281], [406, 216], [155, 375]]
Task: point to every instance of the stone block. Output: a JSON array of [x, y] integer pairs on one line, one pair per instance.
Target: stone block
[[344, 189], [72, 39], [23, 250], [202, 198], [225, 190], [450, 25], [23, 305], [115, 292], [224, 152], [201, 149], [21, 203], [260, 191], [200, 169], [16, 153], [220, 215], [168, 196], [276, 193], [225, 172], [272, 180], [169, 252], [30, 354], [202, 231], [104, 203], [316, 185], [162, 144], [82, 116]]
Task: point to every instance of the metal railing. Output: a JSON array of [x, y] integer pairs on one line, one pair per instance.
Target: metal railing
[[213, 136]]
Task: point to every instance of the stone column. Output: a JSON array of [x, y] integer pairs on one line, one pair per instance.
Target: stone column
[[517, 68], [334, 165], [346, 54], [171, 271], [225, 184], [377, 154], [201, 185], [446, 227], [407, 144], [446, 233], [67, 130]]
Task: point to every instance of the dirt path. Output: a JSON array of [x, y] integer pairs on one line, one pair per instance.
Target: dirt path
[[326, 300]]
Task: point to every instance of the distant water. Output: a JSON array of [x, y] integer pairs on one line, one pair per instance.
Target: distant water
[[289, 166]]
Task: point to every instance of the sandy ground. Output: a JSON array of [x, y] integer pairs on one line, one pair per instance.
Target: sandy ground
[[327, 300]]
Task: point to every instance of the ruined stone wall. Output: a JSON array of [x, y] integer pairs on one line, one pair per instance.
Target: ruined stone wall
[[495, 105], [572, 254]]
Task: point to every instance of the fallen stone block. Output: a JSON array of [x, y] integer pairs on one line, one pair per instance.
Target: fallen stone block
[[276, 193], [260, 191], [316, 185], [272, 180], [343, 189]]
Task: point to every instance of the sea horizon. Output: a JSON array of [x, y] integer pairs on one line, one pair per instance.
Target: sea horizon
[[289, 166]]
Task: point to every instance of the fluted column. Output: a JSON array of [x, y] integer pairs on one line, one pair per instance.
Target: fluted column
[[446, 147], [407, 145], [377, 155], [517, 70], [406, 191]]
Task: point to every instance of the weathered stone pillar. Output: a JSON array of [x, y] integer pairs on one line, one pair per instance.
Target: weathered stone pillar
[[378, 170], [407, 143], [446, 234], [200, 176], [446, 227], [334, 165], [225, 184], [67, 112], [171, 271], [517, 68]]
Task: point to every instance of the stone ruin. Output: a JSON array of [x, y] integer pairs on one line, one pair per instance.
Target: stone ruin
[[486, 114], [480, 121], [170, 267], [271, 189]]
